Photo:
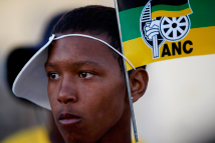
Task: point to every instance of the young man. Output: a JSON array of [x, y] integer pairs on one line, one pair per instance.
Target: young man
[[86, 83]]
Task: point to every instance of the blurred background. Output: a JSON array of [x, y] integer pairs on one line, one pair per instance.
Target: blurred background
[[25, 27], [178, 106]]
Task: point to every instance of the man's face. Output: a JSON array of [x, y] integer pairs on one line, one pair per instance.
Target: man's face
[[86, 88]]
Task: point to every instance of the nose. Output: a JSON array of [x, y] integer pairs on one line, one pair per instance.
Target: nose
[[67, 93]]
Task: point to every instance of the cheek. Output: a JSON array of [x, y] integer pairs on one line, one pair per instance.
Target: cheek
[[52, 94], [106, 101]]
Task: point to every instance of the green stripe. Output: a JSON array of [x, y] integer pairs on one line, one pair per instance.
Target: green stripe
[[130, 19], [203, 13], [202, 16], [170, 7]]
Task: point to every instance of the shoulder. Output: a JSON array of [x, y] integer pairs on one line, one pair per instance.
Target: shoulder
[[33, 135]]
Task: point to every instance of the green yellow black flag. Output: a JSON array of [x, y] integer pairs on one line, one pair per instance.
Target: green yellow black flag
[[156, 30], [170, 8]]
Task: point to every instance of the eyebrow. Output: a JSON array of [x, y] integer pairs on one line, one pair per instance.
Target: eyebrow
[[47, 64], [76, 64], [85, 63]]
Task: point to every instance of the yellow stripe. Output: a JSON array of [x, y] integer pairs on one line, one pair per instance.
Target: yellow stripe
[[171, 13], [139, 54]]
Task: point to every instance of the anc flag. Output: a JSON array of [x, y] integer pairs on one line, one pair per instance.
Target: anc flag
[[156, 30], [170, 8]]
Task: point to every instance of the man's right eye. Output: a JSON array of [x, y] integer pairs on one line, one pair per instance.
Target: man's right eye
[[53, 75]]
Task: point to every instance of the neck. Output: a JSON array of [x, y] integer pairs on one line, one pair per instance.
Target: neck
[[120, 132], [54, 135]]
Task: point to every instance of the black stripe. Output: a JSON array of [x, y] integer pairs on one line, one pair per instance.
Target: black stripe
[[128, 4], [169, 2]]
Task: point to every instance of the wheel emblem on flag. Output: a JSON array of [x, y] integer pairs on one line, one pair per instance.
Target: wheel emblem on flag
[[159, 29], [174, 28]]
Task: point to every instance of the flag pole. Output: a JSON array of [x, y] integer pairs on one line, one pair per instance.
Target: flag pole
[[127, 79]]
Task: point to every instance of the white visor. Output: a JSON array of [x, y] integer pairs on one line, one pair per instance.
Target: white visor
[[31, 83]]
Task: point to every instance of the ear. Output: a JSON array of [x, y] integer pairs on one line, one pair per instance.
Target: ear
[[138, 83]]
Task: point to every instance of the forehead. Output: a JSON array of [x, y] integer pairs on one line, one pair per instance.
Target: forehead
[[77, 49]]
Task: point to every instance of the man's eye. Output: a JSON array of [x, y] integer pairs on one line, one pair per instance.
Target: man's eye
[[85, 75], [53, 76]]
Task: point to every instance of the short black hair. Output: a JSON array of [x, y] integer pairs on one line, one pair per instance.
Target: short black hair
[[94, 19]]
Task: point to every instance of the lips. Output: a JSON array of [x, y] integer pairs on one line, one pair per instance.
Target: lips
[[68, 118]]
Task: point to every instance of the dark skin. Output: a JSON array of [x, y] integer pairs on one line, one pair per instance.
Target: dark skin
[[87, 91], [54, 135]]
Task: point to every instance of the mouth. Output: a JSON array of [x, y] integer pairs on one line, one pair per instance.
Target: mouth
[[68, 118]]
